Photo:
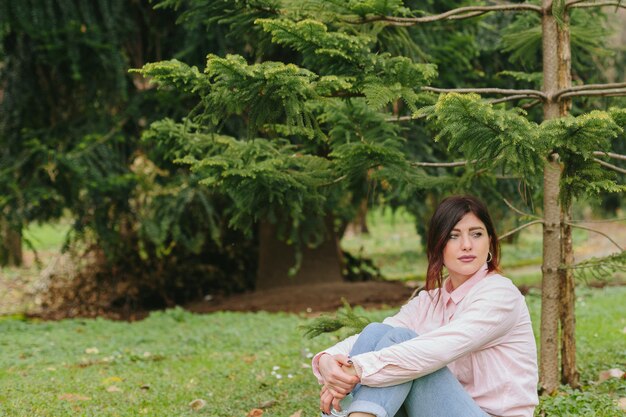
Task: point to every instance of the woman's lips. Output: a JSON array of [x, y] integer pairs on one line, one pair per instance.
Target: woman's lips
[[467, 258]]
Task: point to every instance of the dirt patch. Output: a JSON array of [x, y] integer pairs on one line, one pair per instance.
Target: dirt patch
[[311, 298]]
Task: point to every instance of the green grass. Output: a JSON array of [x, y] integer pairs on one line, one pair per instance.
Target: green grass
[[47, 236], [235, 362]]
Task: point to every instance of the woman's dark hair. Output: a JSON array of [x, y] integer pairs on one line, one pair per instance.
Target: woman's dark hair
[[447, 214]]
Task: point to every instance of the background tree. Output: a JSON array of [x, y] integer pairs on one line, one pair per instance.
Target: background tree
[[70, 129]]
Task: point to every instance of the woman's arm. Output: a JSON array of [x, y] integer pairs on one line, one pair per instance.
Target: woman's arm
[[493, 312]]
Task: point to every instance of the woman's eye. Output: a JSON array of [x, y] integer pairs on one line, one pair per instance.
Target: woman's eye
[[477, 234], [453, 236]]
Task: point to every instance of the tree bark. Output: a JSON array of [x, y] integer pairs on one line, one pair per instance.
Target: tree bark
[[549, 353], [10, 246], [569, 373], [319, 265]]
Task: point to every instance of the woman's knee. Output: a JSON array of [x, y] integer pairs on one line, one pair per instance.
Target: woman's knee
[[379, 329], [398, 335]]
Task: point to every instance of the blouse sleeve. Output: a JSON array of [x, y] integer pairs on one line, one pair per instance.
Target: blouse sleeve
[[400, 319], [493, 312]]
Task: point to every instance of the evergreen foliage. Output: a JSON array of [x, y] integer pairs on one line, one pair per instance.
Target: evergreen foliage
[[576, 139], [488, 136], [600, 268], [345, 317], [301, 157]]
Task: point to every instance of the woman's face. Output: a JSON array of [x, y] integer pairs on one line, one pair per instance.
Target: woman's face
[[467, 249]]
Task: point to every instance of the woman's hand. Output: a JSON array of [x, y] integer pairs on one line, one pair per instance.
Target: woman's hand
[[327, 401], [338, 374]]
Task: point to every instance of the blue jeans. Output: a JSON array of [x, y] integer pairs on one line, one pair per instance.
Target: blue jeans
[[438, 394]]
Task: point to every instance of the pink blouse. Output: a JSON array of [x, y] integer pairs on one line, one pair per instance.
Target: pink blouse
[[481, 331]]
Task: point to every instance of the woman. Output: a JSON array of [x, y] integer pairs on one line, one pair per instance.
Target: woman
[[462, 348]]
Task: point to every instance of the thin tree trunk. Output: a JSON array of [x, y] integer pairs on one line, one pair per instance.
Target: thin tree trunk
[[569, 373], [319, 265], [549, 352], [358, 225], [11, 246]]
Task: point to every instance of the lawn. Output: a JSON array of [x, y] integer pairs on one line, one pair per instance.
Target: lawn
[[235, 362]]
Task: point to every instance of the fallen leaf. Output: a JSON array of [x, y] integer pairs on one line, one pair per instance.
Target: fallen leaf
[[611, 373], [255, 412], [267, 404], [197, 404], [73, 397], [296, 414], [113, 388], [92, 351], [145, 387], [621, 403]]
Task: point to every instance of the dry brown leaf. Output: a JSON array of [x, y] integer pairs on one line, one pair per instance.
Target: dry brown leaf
[[113, 388], [296, 414], [73, 397], [197, 404], [611, 373], [621, 403], [255, 412]]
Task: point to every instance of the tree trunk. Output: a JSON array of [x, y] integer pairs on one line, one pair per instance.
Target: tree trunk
[[10, 246], [569, 373], [276, 258], [549, 352], [359, 224]]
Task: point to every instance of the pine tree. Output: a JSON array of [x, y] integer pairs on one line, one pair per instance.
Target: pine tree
[[568, 147], [298, 166]]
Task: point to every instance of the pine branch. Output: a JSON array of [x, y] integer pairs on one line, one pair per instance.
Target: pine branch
[[582, 4], [502, 91], [404, 118], [518, 211], [614, 92], [441, 164], [511, 98], [531, 104], [345, 317], [610, 166], [517, 229], [587, 87], [577, 226], [617, 219], [611, 155], [454, 14], [599, 268]]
